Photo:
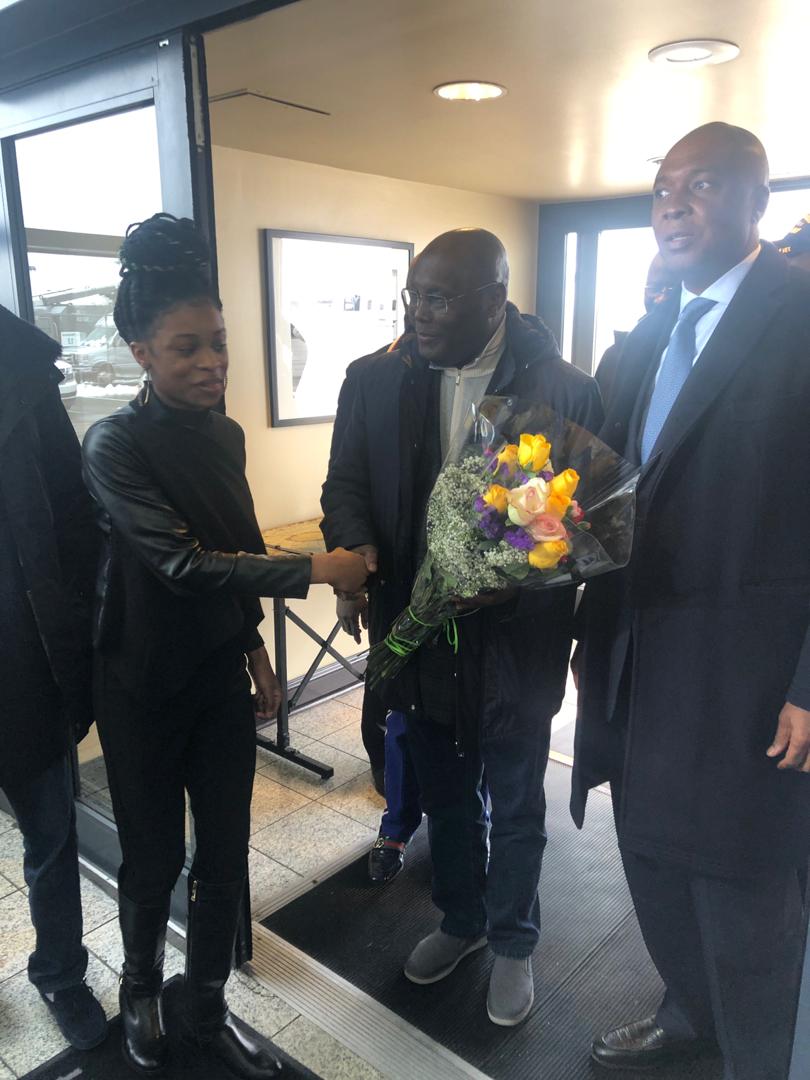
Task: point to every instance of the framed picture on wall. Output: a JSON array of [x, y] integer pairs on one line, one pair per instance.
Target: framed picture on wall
[[328, 300]]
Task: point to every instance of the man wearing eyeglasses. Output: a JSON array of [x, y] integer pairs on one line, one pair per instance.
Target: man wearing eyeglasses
[[486, 709]]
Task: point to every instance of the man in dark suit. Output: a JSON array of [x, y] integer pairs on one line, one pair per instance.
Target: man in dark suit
[[487, 705], [695, 662]]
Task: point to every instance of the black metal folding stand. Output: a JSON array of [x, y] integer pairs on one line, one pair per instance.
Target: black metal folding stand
[[281, 744]]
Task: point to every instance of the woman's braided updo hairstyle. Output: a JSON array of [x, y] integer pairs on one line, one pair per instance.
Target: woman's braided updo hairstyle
[[165, 261]]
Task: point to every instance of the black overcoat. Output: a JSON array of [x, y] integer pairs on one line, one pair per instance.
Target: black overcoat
[[515, 673], [56, 544], [717, 595]]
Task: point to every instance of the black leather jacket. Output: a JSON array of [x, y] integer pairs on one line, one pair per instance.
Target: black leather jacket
[[183, 563]]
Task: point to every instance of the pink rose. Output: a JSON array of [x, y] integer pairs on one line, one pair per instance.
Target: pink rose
[[526, 502], [546, 527]]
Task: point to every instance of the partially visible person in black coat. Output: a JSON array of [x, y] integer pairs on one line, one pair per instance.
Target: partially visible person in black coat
[[48, 552], [490, 707], [660, 283], [178, 614], [694, 675]]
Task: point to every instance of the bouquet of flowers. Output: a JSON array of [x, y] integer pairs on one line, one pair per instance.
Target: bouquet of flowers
[[525, 498]]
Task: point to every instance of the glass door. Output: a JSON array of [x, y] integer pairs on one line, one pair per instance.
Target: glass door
[[78, 196], [83, 156]]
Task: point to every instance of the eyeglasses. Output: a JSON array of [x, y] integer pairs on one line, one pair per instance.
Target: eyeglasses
[[435, 302]]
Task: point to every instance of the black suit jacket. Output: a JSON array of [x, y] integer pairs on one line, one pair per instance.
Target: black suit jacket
[[690, 653]]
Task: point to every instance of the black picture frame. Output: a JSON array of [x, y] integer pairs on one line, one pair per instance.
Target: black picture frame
[[280, 356]]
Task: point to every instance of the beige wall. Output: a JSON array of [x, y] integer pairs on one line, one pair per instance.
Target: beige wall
[[286, 466]]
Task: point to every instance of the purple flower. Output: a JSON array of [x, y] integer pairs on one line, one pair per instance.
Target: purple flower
[[491, 526], [480, 506], [519, 539], [547, 476], [521, 479]]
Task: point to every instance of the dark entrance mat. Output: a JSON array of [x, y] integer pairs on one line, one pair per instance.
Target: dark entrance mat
[[591, 969], [186, 1063]]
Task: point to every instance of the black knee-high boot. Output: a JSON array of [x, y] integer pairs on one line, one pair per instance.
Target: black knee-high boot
[[143, 929], [213, 915]]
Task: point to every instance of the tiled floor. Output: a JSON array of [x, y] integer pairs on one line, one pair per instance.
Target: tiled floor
[[299, 825]]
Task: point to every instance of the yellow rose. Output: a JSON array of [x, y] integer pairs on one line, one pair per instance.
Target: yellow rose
[[565, 483], [498, 497], [533, 452], [508, 459], [560, 491], [546, 556]]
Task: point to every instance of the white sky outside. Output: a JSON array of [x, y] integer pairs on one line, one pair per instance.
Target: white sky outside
[[93, 177]]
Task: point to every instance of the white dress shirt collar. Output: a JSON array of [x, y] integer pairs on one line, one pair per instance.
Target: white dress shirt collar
[[722, 291]]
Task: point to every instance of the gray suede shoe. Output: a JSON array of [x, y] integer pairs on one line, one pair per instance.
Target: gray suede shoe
[[437, 955], [511, 991]]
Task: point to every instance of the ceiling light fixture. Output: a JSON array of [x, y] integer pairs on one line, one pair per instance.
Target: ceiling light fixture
[[469, 91], [694, 52]]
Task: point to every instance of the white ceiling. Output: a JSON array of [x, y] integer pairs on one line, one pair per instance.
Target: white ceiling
[[584, 111]]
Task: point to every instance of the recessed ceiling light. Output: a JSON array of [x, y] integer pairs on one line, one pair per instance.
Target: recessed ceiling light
[[695, 51], [469, 91]]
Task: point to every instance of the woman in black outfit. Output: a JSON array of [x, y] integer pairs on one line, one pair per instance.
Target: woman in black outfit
[[177, 617]]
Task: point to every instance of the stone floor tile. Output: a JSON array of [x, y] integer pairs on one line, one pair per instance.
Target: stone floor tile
[[272, 801], [303, 781], [323, 719], [311, 837], [267, 878], [17, 939], [357, 799], [5, 1072], [6, 821], [97, 907], [349, 740], [6, 886], [353, 697], [265, 758], [311, 1046], [252, 1002], [11, 856]]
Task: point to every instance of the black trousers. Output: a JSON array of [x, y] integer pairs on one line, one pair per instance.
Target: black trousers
[[372, 729], [729, 951], [202, 741]]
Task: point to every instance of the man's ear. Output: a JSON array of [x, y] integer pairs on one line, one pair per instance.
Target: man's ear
[[497, 301], [761, 197]]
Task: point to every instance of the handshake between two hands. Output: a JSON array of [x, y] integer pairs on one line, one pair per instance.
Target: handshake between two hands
[[352, 604]]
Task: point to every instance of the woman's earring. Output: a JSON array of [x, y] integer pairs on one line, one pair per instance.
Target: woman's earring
[[147, 387], [225, 382]]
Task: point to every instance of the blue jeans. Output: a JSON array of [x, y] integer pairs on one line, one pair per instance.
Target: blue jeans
[[499, 899], [46, 815], [403, 810]]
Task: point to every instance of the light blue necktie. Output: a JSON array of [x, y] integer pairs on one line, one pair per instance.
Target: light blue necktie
[[674, 372]]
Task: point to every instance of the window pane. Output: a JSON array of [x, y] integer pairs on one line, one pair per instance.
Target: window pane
[[81, 187], [624, 256], [785, 209], [569, 295], [94, 177]]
